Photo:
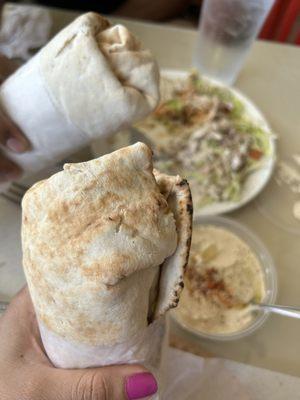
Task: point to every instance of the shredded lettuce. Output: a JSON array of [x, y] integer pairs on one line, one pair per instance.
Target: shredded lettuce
[[225, 95], [175, 104], [221, 182], [233, 191], [206, 200], [260, 138]]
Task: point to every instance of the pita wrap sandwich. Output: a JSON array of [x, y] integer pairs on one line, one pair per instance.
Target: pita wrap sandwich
[[105, 245], [90, 80]]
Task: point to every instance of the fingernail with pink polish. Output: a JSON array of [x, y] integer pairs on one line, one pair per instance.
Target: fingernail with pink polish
[[16, 145], [141, 385]]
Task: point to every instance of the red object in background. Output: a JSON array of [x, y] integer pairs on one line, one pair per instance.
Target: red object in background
[[281, 24]]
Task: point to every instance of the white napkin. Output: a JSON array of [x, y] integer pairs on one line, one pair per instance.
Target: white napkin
[[189, 377], [23, 29]]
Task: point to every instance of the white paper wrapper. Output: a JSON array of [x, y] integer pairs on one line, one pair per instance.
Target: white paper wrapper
[[24, 28], [146, 348], [25, 98]]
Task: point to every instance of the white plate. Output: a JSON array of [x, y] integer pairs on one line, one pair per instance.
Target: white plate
[[258, 179], [254, 183]]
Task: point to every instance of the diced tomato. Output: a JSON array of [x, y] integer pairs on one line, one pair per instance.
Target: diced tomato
[[255, 154], [160, 110]]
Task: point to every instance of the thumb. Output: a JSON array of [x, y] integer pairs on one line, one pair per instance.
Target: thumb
[[121, 382]]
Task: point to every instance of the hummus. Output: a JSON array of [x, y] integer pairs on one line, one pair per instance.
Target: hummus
[[223, 277]]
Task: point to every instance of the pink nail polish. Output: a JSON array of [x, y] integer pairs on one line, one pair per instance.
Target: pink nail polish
[[15, 145], [141, 385]]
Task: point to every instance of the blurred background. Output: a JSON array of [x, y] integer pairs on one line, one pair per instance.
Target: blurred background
[[282, 24]]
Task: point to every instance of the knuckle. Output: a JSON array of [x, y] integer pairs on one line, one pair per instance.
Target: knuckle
[[91, 386]]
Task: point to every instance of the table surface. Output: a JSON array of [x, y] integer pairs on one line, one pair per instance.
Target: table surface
[[271, 78]]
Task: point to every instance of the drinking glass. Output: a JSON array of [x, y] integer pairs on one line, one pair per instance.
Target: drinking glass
[[227, 29]]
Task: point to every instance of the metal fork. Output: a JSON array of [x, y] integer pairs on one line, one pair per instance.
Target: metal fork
[[15, 193]]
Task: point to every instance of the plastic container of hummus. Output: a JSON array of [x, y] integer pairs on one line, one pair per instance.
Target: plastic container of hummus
[[229, 270]]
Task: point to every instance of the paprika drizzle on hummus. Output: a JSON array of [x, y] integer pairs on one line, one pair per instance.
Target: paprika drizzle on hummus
[[223, 277]]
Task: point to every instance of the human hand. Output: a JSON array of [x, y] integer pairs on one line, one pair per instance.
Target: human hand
[[26, 373], [10, 135], [14, 141], [7, 67]]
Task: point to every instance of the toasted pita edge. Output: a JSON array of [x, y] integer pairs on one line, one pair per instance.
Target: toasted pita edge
[[178, 194]]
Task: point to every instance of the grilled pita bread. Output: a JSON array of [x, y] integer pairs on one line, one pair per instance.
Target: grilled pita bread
[[94, 237], [177, 192]]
